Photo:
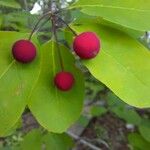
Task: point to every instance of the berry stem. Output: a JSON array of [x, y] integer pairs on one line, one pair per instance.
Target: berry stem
[[56, 38], [68, 26], [36, 25]]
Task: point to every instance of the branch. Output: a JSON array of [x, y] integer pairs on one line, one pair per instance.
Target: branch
[[82, 141]]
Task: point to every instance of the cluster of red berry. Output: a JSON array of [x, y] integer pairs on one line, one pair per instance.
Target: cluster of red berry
[[86, 45]]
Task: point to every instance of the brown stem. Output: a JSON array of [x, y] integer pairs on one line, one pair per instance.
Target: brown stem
[[68, 26], [36, 25], [56, 38]]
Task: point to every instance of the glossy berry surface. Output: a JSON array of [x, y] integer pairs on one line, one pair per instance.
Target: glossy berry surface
[[24, 51], [86, 45], [64, 81]]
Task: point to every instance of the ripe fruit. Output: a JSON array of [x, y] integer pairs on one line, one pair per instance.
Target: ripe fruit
[[86, 45], [24, 51], [64, 80]]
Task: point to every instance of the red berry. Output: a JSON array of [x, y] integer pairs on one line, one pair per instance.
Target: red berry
[[24, 51], [86, 45], [64, 80]]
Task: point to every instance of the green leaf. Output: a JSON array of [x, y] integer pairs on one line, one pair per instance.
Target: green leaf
[[32, 141], [76, 14], [136, 34], [129, 115], [35, 140], [9, 3], [122, 110], [144, 129], [56, 110], [114, 101], [83, 121], [133, 14], [137, 141], [16, 81], [58, 141], [14, 128], [98, 111], [123, 64]]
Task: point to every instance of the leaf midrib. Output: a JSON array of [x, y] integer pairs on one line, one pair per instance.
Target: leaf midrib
[[7, 69]]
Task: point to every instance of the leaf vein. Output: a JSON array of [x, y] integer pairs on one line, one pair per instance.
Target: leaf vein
[[127, 69], [7, 69]]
